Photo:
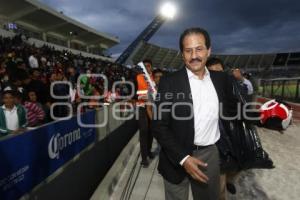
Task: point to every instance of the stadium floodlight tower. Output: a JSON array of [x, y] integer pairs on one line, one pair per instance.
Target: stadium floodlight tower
[[167, 11]]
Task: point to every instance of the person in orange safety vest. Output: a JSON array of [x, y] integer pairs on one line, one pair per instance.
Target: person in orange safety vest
[[146, 138]]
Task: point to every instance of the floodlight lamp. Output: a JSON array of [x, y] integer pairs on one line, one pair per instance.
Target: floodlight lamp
[[168, 10]]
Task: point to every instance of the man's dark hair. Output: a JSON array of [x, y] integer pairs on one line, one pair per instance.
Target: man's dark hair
[[157, 71], [236, 68], [147, 61], [214, 61], [194, 30]]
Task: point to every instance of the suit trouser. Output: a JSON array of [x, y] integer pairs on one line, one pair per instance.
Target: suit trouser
[[200, 191], [146, 137]]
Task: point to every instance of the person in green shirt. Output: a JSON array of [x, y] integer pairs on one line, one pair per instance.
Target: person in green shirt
[[12, 116]]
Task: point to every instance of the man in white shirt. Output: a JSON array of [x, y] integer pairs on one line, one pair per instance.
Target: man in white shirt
[[190, 104], [12, 116], [33, 61]]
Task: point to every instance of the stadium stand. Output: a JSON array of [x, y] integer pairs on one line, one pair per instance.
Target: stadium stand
[[40, 46], [161, 57], [259, 65], [16, 71], [44, 24]]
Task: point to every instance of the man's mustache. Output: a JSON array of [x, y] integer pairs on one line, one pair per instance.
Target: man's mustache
[[196, 60]]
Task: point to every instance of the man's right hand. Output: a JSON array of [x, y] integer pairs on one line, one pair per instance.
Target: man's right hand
[[191, 166]]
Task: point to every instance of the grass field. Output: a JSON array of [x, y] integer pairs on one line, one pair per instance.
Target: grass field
[[290, 90]]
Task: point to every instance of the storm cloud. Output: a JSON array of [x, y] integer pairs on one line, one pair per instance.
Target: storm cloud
[[236, 27]]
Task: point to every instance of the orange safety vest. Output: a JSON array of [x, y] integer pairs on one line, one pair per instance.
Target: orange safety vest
[[143, 88]]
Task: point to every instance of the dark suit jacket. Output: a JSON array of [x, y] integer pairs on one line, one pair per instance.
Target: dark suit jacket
[[175, 136]]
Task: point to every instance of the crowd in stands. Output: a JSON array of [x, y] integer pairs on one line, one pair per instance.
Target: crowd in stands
[[26, 74]]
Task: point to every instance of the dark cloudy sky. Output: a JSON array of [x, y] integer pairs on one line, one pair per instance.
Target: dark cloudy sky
[[235, 26]]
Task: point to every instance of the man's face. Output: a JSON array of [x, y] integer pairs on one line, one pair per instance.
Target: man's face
[[59, 77], [157, 77], [148, 67], [237, 74], [26, 81], [32, 96], [36, 74], [8, 100], [216, 67], [71, 71], [53, 77], [194, 52]]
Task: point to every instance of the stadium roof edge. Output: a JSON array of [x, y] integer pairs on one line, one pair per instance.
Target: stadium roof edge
[[70, 20], [42, 22]]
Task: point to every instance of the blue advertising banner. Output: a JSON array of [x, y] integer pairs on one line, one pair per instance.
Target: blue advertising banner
[[28, 159]]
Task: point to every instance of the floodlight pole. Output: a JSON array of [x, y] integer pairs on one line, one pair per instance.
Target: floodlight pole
[[144, 36]]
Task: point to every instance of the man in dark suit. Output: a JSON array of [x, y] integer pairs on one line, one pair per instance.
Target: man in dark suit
[[189, 105]]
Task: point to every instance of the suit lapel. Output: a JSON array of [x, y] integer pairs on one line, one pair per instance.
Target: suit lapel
[[186, 88], [217, 85], [186, 85]]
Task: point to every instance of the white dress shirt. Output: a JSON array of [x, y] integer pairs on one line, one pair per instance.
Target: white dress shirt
[[206, 110], [33, 62], [249, 86], [11, 118]]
